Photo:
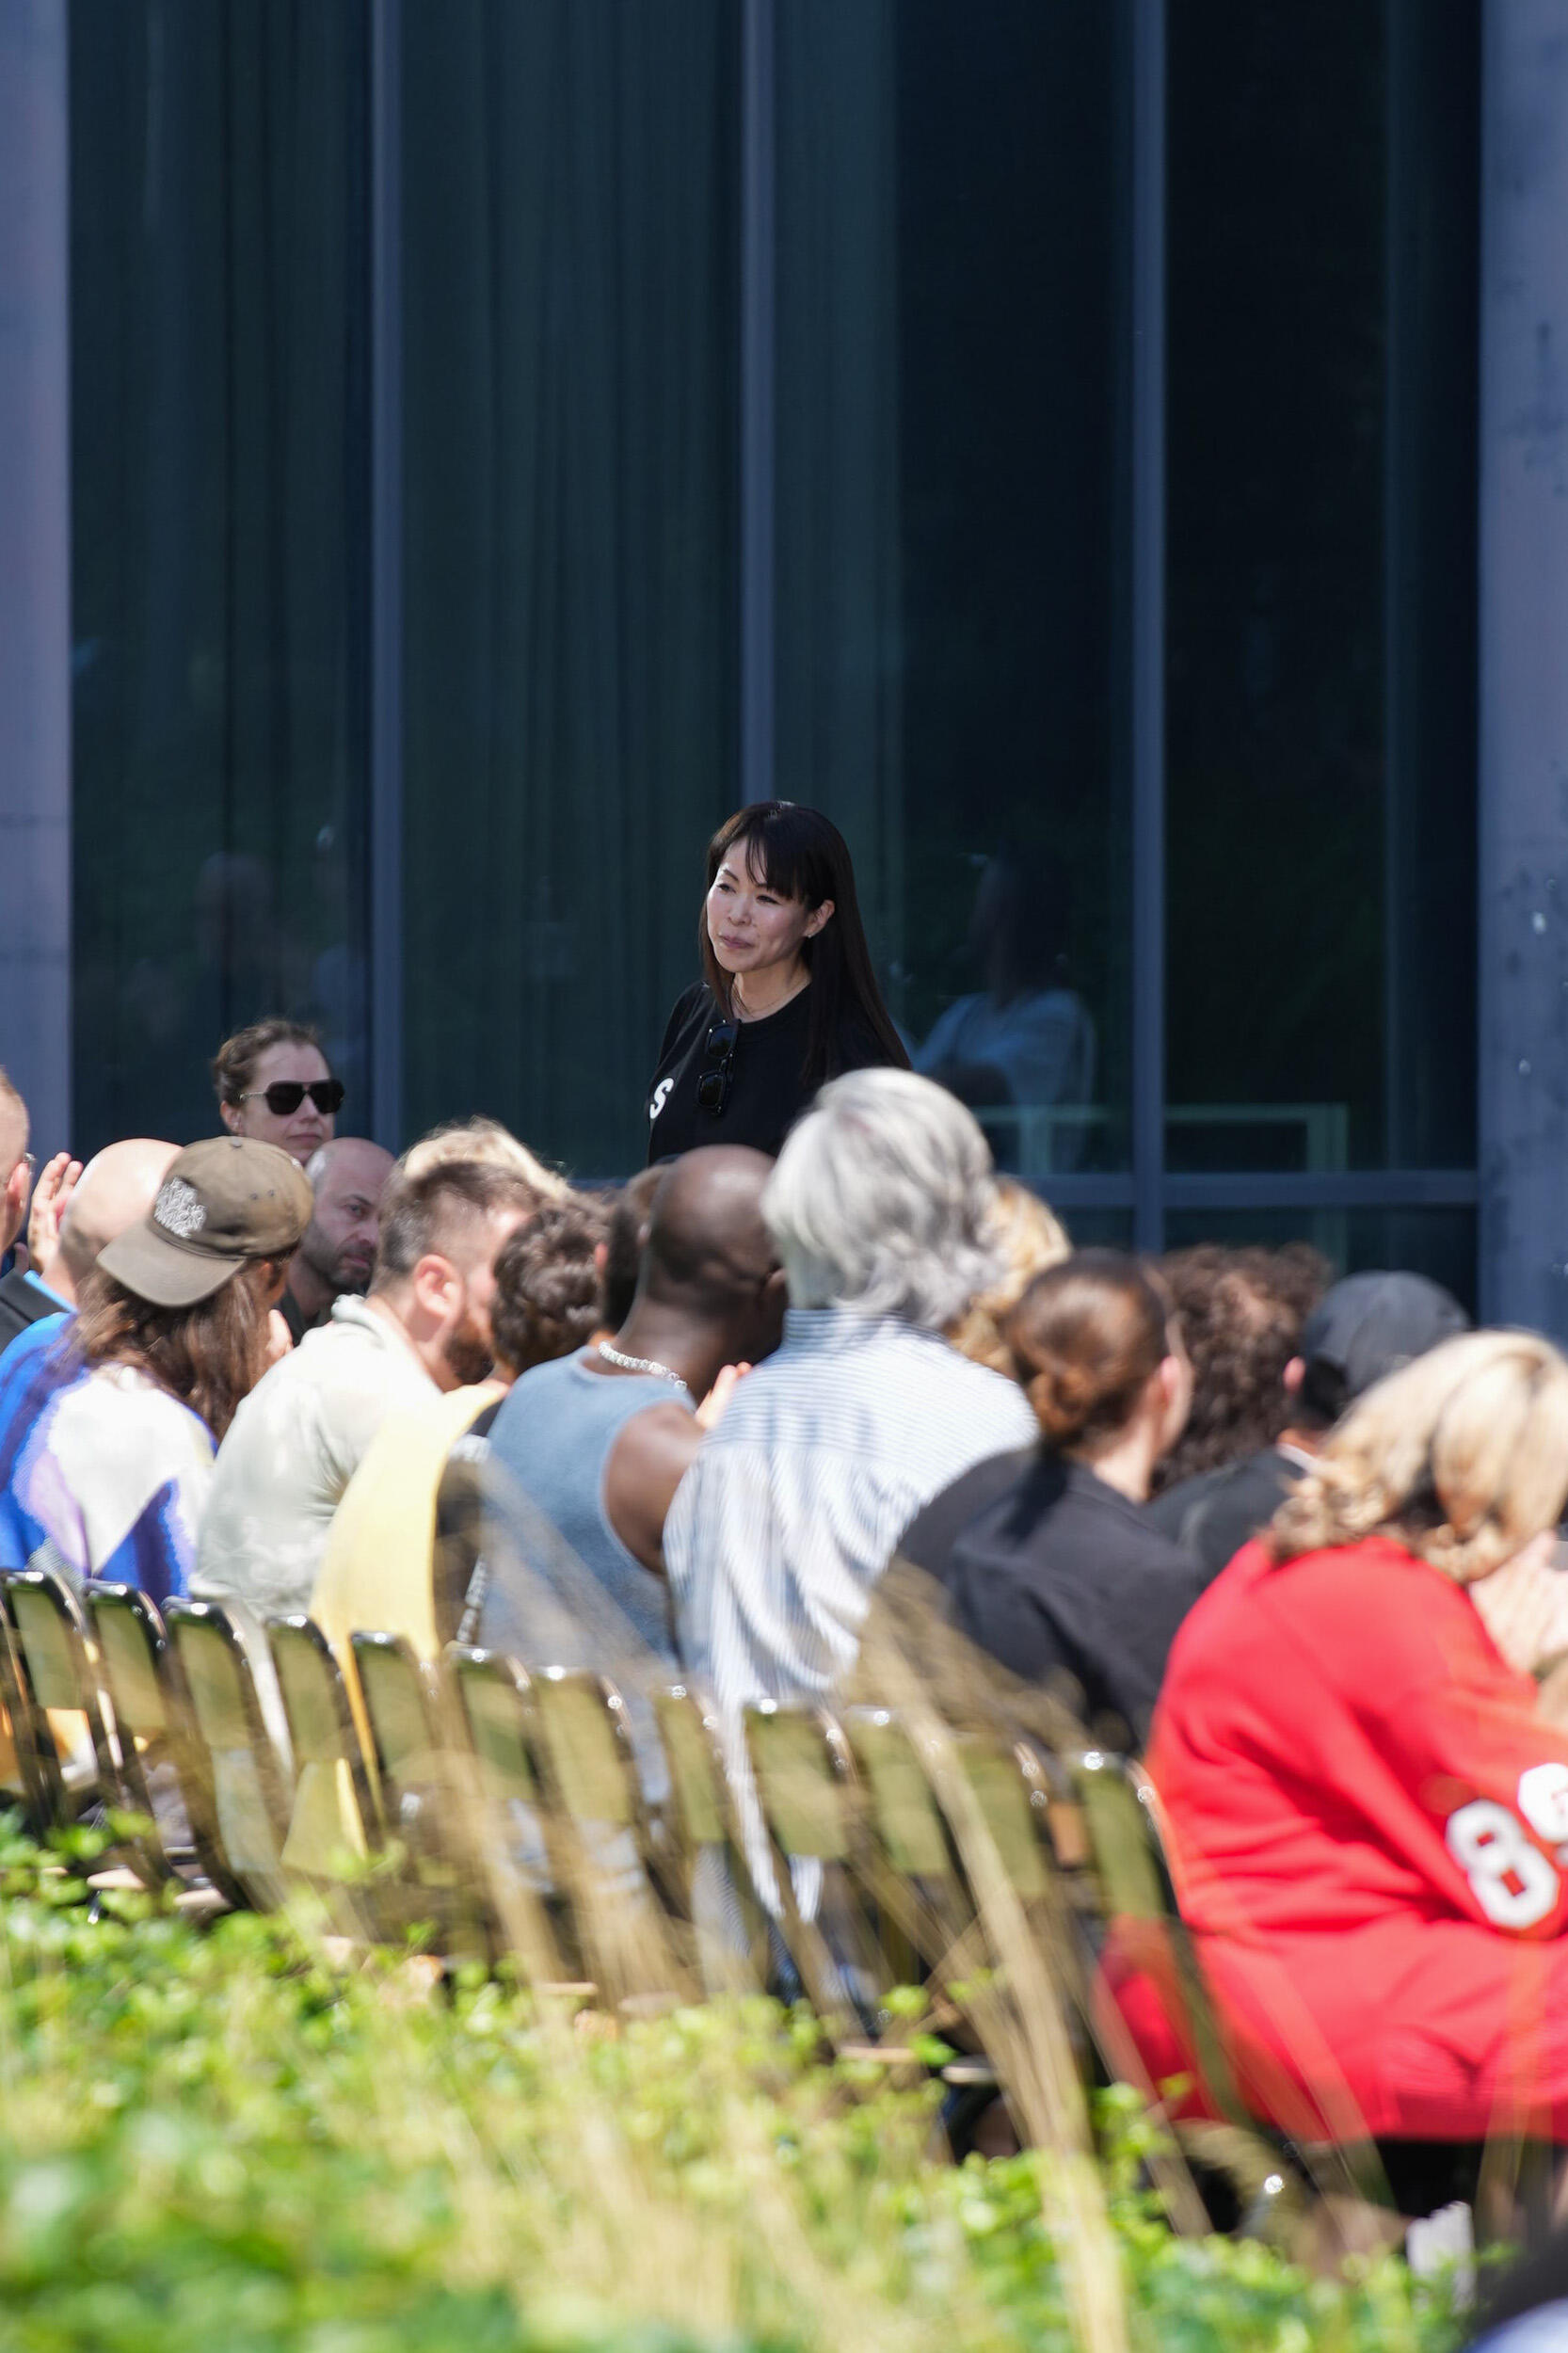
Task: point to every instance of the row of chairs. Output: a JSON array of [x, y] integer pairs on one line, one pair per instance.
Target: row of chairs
[[506, 1812], [463, 1769]]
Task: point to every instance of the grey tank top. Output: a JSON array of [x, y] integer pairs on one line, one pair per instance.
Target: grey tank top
[[562, 1589]]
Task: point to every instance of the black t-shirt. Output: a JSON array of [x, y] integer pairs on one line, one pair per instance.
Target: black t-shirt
[[294, 1316], [1061, 1578], [767, 1093], [1215, 1513], [22, 1301]]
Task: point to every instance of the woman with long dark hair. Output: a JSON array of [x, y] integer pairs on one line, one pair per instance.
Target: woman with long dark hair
[[787, 998], [106, 1438]]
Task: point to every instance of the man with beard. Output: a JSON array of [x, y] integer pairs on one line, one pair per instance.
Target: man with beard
[[338, 1252], [423, 1329]]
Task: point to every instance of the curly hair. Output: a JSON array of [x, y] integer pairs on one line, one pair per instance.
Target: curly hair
[[1241, 1315], [549, 1291]]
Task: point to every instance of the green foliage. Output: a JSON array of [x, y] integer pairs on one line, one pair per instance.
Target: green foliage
[[229, 2137]]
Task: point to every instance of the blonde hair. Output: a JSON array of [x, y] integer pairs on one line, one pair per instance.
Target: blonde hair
[[1031, 1238], [488, 1143], [1462, 1457]]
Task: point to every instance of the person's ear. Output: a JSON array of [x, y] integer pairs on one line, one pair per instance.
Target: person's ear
[[819, 919], [13, 1203], [271, 1276], [1175, 1375], [229, 1113], [601, 1259], [1295, 1374], [437, 1287]]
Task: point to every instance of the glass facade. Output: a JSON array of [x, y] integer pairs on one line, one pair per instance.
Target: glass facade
[[950, 547], [569, 199], [219, 259], [1321, 653], [950, 316]]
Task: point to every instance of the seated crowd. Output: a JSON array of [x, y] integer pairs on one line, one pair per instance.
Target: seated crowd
[[1293, 1539]]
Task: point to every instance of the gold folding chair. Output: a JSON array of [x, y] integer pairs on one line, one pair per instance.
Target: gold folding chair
[[244, 1792], [806, 1786], [603, 1847], [58, 1720], [335, 1819], [160, 1771], [425, 1789], [492, 1701]]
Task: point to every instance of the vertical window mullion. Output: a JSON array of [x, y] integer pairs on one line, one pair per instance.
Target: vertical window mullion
[[1148, 622]]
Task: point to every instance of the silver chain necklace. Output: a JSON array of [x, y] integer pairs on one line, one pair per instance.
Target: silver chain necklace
[[640, 1364]]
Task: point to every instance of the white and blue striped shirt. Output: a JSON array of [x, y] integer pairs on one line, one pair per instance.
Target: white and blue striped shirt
[[796, 1501]]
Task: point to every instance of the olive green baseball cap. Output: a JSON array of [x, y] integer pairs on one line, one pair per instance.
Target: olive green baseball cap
[[223, 1204]]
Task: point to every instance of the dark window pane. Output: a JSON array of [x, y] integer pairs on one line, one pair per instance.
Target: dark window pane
[[569, 208], [219, 273], [1323, 193], [949, 305], [1098, 1229]]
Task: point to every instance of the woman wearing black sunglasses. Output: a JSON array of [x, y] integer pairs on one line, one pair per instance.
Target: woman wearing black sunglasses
[[274, 1082], [789, 998]]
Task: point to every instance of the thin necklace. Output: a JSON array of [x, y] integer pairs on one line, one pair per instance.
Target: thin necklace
[[746, 1015], [640, 1364]]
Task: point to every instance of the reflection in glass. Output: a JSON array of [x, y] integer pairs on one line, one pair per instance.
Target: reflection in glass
[[217, 262], [570, 288], [948, 380], [1024, 1040], [1320, 457]]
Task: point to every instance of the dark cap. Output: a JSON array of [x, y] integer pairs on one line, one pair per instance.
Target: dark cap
[[223, 1204], [1368, 1327]]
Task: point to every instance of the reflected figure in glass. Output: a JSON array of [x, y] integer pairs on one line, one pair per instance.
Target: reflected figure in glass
[[1025, 1038]]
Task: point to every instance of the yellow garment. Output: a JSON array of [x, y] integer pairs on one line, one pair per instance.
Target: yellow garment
[[375, 1577]]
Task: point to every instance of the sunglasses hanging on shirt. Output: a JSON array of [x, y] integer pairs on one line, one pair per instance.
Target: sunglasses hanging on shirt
[[718, 1055]]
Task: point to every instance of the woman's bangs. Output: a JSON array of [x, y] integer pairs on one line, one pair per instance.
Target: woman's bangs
[[776, 864]]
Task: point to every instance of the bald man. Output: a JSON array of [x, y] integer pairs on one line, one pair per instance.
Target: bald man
[[114, 1192], [338, 1252], [586, 1454], [15, 1168]]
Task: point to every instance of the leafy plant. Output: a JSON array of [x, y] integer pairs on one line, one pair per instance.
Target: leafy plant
[[228, 2136]]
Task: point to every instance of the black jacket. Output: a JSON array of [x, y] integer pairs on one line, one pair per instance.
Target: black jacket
[[22, 1301], [1214, 1514], [1064, 1580]]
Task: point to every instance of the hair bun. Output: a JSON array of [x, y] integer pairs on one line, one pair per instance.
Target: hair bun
[[1065, 1398], [1086, 1336]]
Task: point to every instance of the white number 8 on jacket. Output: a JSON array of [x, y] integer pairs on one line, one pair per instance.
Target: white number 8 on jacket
[[1511, 1879]]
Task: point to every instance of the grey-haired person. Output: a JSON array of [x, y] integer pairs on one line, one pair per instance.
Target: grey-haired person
[[881, 1207]]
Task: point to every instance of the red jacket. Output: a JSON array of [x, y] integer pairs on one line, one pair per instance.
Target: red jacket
[[1368, 1827]]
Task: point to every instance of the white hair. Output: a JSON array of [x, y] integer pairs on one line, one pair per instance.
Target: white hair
[[883, 1201]]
